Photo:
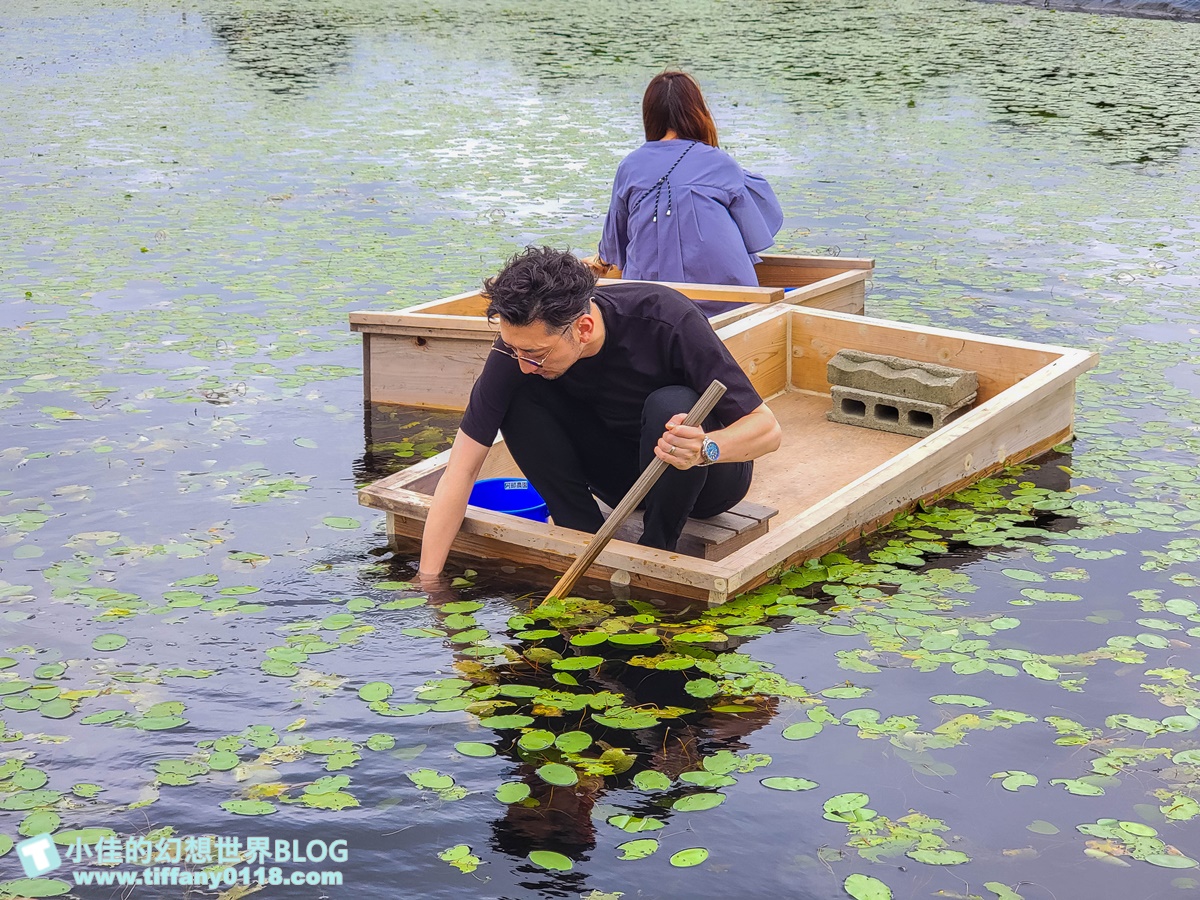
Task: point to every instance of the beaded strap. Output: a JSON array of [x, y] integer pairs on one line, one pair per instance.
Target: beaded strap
[[658, 186]]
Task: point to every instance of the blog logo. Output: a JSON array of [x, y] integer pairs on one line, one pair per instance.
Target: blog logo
[[38, 855]]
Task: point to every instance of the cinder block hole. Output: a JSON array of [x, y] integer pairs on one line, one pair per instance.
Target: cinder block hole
[[919, 419], [887, 413], [853, 407]]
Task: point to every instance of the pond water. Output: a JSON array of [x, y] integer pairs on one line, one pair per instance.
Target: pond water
[[205, 636]]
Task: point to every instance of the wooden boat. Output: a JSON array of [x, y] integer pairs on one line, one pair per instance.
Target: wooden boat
[[829, 482], [429, 355]]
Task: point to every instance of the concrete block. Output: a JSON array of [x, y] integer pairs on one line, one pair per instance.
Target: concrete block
[[899, 415], [898, 377]]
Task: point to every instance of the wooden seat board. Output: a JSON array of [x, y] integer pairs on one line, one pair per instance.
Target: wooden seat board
[[710, 538]]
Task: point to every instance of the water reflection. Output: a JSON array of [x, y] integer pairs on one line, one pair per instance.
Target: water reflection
[[934, 52], [570, 672], [288, 48], [1178, 10], [396, 436]]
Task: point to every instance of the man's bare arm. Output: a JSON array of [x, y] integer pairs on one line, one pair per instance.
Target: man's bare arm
[[450, 503]]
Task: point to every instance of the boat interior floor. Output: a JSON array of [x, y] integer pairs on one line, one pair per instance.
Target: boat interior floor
[[816, 457]]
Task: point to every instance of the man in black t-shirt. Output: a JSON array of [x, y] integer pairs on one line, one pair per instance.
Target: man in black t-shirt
[[588, 384]]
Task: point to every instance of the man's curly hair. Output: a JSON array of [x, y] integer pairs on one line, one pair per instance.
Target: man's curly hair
[[540, 284]]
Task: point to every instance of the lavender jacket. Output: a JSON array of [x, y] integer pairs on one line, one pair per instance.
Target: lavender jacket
[[704, 222]]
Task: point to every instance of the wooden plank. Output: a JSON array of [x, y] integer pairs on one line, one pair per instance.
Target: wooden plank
[[407, 319], [789, 261], [418, 331], [737, 542], [698, 540], [800, 271], [638, 583], [546, 545], [729, 293], [367, 368], [703, 530], [757, 511], [472, 304], [467, 330], [840, 293], [761, 350], [431, 372]]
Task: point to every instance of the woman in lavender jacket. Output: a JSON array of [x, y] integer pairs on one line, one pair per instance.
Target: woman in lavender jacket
[[682, 209]]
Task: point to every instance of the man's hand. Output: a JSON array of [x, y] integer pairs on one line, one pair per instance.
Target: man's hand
[[437, 586], [751, 436], [598, 266], [431, 581], [680, 444]]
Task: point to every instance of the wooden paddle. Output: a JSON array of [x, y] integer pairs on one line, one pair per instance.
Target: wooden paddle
[[640, 489]]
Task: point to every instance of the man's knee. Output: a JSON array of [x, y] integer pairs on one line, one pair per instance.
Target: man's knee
[[666, 402]]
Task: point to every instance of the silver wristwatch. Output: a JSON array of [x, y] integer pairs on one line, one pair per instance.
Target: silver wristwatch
[[709, 452]]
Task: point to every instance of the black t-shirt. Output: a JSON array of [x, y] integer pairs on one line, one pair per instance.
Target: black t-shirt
[[654, 337]]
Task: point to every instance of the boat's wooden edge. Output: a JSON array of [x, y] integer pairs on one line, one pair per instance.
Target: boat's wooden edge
[[431, 318], [412, 322], [799, 313], [797, 296], [820, 262], [745, 580], [551, 545], [375, 316], [723, 293], [981, 441], [454, 328]]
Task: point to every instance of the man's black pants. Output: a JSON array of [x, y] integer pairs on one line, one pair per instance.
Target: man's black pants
[[569, 456]]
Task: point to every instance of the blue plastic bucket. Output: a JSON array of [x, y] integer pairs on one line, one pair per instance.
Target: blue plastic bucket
[[514, 496]]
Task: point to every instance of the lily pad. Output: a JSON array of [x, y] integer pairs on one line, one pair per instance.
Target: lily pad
[[788, 783], [698, 802], [548, 859], [802, 730], [249, 807], [939, 857], [475, 748], [34, 888], [650, 780], [375, 690], [573, 741], [558, 774], [1171, 861], [685, 859], [108, 642], [864, 887], [41, 822], [638, 849], [536, 740], [512, 792]]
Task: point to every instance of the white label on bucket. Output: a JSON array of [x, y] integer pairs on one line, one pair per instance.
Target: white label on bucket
[[516, 485]]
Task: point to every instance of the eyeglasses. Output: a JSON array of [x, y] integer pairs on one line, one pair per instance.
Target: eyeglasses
[[536, 363]]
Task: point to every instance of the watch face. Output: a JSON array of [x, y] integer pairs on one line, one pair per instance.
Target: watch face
[[711, 451]]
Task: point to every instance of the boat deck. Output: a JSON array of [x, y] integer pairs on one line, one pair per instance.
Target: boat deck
[[817, 457]]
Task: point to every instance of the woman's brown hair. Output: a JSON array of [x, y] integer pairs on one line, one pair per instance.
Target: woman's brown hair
[[673, 102]]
